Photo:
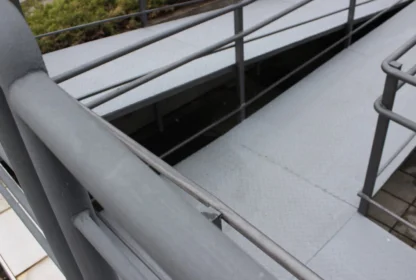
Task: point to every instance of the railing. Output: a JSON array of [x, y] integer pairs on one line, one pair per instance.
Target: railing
[[58, 162], [395, 79], [61, 151]]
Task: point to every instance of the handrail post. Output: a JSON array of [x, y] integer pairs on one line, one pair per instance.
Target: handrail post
[[68, 198], [144, 16], [239, 58], [18, 156], [389, 94], [350, 21]]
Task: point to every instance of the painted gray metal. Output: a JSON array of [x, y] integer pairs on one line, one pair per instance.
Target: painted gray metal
[[395, 79], [268, 169], [159, 72], [239, 59], [103, 244], [244, 105], [389, 95], [121, 52], [16, 204], [48, 148], [169, 229], [95, 92], [67, 198], [259, 239], [160, 222], [190, 41], [364, 251], [16, 191], [350, 21]]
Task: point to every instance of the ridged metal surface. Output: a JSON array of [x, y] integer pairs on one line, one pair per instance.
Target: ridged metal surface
[[294, 168]]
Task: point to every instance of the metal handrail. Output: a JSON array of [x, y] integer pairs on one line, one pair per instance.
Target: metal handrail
[[148, 41], [258, 238], [395, 79], [96, 142], [280, 81], [49, 146], [157, 73], [393, 71], [99, 22], [111, 86]]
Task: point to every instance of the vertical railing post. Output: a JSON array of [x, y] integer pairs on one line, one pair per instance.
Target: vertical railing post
[[144, 16], [239, 58], [29, 181], [68, 198], [350, 21], [389, 94]]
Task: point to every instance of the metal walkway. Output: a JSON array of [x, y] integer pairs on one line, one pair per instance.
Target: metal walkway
[[291, 171], [333, 12], [294, 168]]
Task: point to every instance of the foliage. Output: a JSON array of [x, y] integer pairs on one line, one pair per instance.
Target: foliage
[[45, 16]]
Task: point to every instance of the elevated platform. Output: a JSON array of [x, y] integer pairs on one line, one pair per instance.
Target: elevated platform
[[192, 40], [294, 168]]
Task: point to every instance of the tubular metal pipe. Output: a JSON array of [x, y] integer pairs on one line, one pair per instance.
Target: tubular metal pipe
[[102, 243], [411, 71], [95, 92], [275, 84], [26, 220], [259, 239], [384, 209], [382, 126], [292, 26], [30, 183], [148, 41], [350, 20], [67, 198], [111, 86], [378, 106], [175, 234], [16, 191], [130, 243], [157, 73], [389, 69]]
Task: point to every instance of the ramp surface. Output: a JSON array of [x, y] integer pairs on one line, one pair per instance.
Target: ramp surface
[[294, 168]]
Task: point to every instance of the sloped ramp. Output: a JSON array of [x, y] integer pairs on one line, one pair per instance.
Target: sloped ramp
[[294, 168]]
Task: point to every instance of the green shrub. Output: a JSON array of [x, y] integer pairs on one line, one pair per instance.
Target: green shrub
[[44, 17]]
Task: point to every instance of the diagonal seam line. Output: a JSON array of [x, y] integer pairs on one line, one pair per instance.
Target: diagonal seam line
[[329, 240], [299, 176]]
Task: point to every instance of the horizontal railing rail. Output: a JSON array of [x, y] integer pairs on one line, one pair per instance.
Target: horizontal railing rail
[[157, 73], [146, 42], [244, 105], [396, 78], [120, 83], [70, 156], [61, 150]]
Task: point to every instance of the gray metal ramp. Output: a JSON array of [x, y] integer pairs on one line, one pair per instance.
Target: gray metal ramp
[[361, 250], [190, 41], [294, 168]]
